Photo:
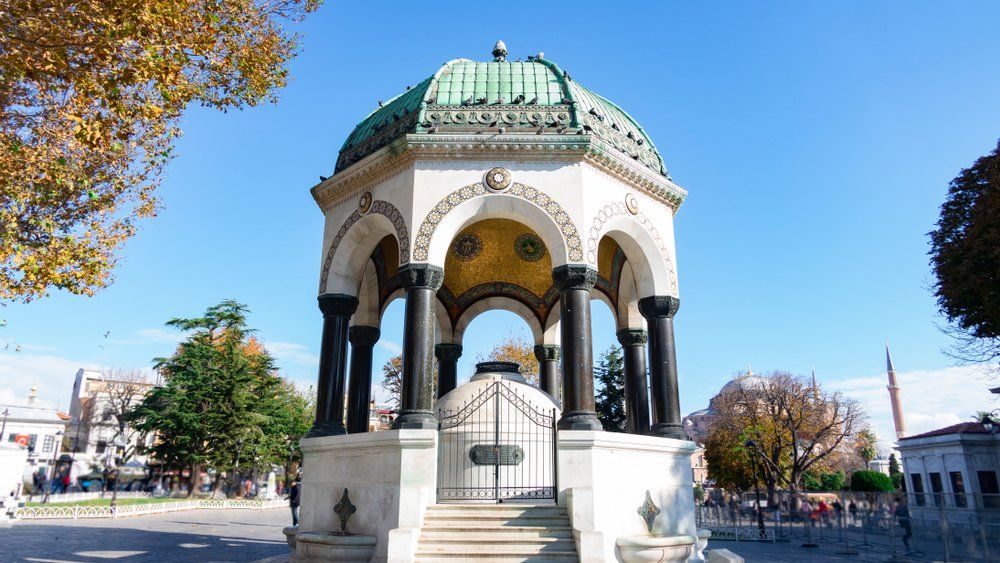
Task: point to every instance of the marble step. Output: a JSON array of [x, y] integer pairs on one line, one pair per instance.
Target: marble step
[[477, 540], [431, 533], [451, 558], [498, 520], [459, 510]]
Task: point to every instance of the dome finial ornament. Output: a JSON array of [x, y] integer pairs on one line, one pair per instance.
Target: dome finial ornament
[[500, 52]]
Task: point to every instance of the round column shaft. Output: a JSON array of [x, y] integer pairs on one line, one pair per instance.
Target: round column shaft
[[575, 282], [659, 313], [337, 310], [548, 369], [633, 341], [359, 391], [447, 355], [421, 282]]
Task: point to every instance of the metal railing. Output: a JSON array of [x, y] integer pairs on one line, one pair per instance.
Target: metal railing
[[84, 511], [875, 526]]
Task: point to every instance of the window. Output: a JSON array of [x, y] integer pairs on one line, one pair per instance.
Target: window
[[989, 488], [936, 487], [48, 443], [918, 488], [958, 488], [101, 446]]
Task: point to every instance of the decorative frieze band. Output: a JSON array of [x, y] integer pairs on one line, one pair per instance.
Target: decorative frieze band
[[620, 208]]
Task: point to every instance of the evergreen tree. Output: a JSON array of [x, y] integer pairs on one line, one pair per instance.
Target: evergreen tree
[[222, 401], [610, 376]]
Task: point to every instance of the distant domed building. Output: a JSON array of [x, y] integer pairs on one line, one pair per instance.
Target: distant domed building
[[696, 424]]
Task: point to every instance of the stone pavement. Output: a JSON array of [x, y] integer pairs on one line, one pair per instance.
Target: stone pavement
[[196, 535], [791, 552]]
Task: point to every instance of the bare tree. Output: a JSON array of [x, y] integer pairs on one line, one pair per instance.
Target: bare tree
[[785, 423], [120, 391]]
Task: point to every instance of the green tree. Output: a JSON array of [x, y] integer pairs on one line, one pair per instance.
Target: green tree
[[610, 400], [392, 379], [871, 482], [222, 401], [91, 97], [895, 473], [866, 444], [966, 262]]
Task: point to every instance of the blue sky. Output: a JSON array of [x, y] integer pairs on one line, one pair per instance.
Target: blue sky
[[816, 141]]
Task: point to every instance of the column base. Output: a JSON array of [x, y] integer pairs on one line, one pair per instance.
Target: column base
[[326, 429], [420, 420], [579, 421], [668, 431]]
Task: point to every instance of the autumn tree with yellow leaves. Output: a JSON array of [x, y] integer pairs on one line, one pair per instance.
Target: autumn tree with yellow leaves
[[517, 350], [91, 93], [782, 426]]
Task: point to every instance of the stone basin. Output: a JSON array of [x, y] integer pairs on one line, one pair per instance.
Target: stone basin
[[290, 532], [653, 548], [329, 546]]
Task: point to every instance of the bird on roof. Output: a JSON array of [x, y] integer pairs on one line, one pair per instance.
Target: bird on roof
[[533, 101]]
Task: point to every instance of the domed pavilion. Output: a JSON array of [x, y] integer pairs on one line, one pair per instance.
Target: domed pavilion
[[494, 185]]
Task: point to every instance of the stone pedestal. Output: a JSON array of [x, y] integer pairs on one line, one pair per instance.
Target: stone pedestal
[[603, 479], [391, 479]]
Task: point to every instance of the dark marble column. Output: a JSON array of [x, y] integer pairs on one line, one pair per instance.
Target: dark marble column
[[574, 282], [337, 310], [421, 282], [633, 341], [548, 369], [447, 355], [659, 312], [359, 390]]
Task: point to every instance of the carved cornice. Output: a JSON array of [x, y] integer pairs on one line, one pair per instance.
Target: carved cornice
[[547, 353], [448, 351], [337, 304], [632, 337], [414, 275], [363, 335], [574, 276], [659, 306], [401, 153]]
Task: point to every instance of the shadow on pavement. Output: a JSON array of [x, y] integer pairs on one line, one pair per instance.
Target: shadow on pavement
[[47, 544]]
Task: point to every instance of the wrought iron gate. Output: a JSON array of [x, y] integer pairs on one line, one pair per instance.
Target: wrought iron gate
[[499, 447]]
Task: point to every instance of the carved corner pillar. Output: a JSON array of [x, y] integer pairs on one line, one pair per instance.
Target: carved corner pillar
[[421, 282], [574, 282], [337, 310], [659, 312], [359, 391], [633, 341], [548, 369], [447, 356]]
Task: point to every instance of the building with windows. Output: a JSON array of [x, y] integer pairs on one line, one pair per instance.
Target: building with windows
[[38, 429], [94, 427], [954, 470]]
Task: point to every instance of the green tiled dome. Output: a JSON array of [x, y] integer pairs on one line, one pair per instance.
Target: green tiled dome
[[533, 96]]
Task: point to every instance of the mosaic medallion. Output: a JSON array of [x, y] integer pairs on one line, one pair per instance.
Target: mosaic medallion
[[467, 247], [365, 203], [529, 247], [631, 204], [498, 179]]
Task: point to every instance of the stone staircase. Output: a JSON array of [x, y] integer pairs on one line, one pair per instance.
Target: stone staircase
[[496, 532]]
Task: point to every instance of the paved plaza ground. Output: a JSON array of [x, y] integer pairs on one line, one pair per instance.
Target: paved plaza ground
[[246, 535], [196, 535]]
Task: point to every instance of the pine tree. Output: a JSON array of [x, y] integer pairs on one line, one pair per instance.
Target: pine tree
[[610, 376]]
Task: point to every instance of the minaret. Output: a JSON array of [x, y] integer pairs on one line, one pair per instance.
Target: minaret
[[33, 394], [897, 406]]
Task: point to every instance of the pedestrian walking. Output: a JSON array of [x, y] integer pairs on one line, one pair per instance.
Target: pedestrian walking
[[902, 513], [293, 499]]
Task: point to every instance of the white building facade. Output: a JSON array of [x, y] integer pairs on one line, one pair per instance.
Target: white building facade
[[39, 430]]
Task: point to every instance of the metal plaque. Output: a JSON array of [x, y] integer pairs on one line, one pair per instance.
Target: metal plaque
[[496, 455]]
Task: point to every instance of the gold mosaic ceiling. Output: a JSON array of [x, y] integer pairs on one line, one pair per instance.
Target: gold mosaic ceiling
[[498, 250]]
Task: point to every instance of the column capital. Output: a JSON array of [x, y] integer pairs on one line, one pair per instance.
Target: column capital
[[363, 335], [337, 304], [421, 275], [547, 353], [447, 351], [659, 306], [632, 337], [574, 276]]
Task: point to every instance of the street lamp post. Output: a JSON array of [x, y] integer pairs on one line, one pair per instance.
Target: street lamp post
[[236, 472], [6, 413], [118, 443], [756, 485], [52, 466]]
